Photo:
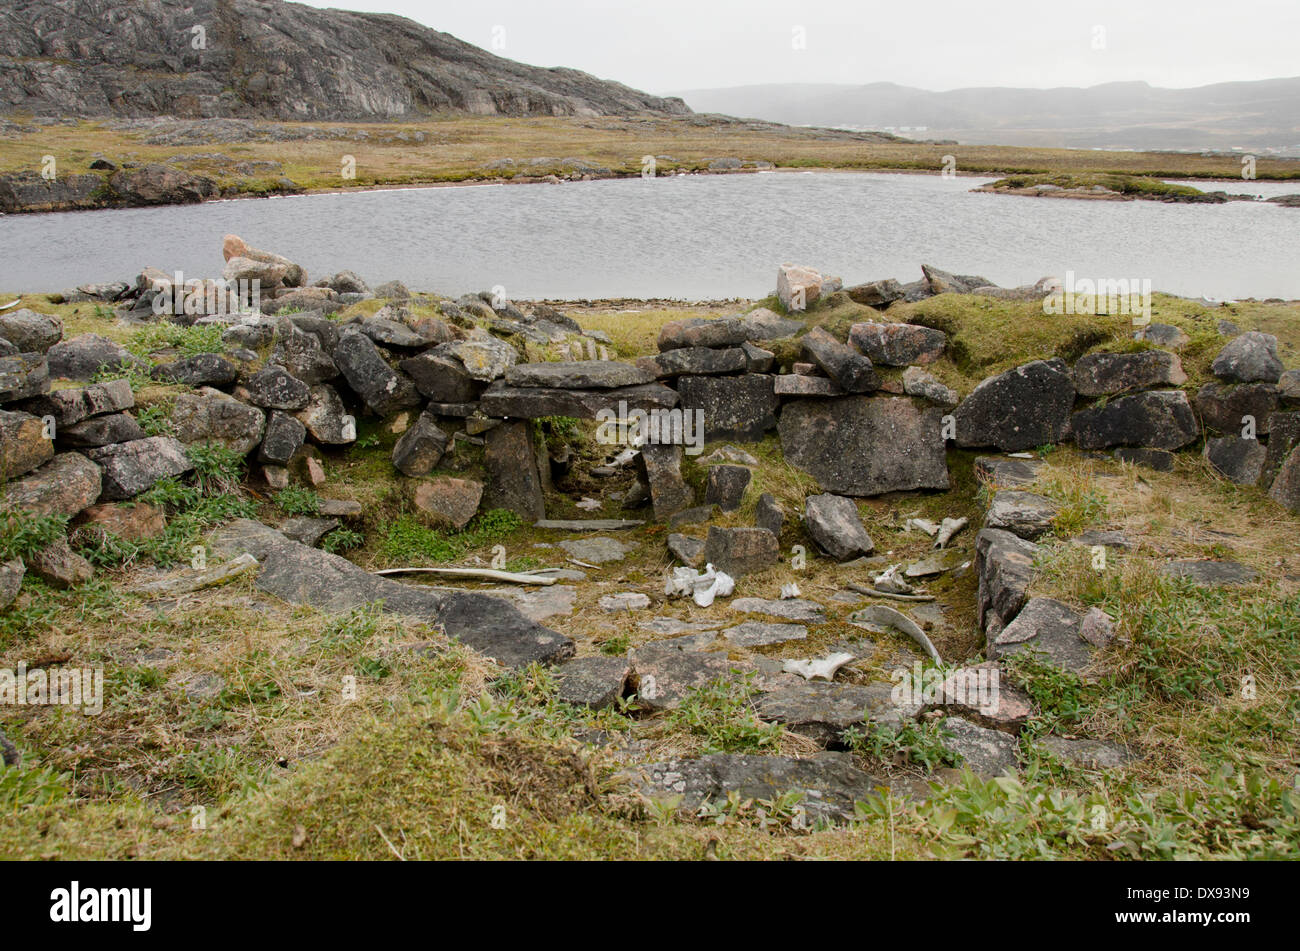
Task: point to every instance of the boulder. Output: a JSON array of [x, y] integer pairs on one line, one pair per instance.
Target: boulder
[[1017, 410], [661, 465], [1285, 490], [1211, 574], [594, 682], [1022, 513], [697, 332], [29, 331], [155, 184], [1284, 436], [500, 400], [284, 436], [876, 294], [234, 246], [63, 486], [11, 582], [204, 369], [687, 550], [741, 551], [740, 408], [800, 384], [308, 531], [1249, 358], [941, 282], [725, 486], [275, 388], [917, 382], [101, 431], [130, 468], [898, 345], [514, 482], [210, 416], [59, 566], [129, 521], [1163, 335], [484, 358], [72, 405], [833, 523], [1049, 628], [302, 575], [578, 375], [442, 378], [419, 450], [1288, 386], [699, 361], [23, 375], [1224, 407], [769, 515], [824, 711], [301, 354], [1004, 565], [758, 360], [1237, 460], [451, 503], [663, 676], [852, 371], [1104, 374], [1087, 754], [830, 782], [1005, 472], [763, 324], [23, 444], [383, 389], [764, 633], [797, 287], [83, 356], [865, 445], [326, 420], [1155, 419], [987, 752]]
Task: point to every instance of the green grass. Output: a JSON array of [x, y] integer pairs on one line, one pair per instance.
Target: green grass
[[407, 541]]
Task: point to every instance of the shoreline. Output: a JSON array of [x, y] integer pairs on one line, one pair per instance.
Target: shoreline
[[94, 199]]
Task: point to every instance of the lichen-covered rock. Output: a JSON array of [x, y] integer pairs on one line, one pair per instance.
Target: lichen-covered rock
[[514, 482], [1103, 374], [101, 431], [130, 468], [865, 445], [210, 416], [985, 751], [725, 486], [578, 375], [661, 467], [833, 523], [23, 444], [898, 345], [420, 448], [851, 370], [1249, 358], [83, 356], [326, 420], [1155, 419], [1237, 460], [29, 331], [1022, 513], [740, 408], [1017, 410], [383, 389], [1004, 565], [451, 503], [203, 369], [59, 566], [1231, 409], [740, 551], [274, 387], [284, 437], [63, 486], [23, 375], [72, 405]]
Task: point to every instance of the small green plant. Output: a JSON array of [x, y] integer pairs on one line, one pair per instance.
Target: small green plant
[[723, 713], [615, 646], [155, 421], [1062, 697], [912, 742], [406, 539], [297, 500], [23, 533], [342, 539], [217, 470]]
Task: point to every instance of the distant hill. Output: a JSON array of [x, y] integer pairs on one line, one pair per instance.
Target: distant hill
[[270, 59], [1249, 115]]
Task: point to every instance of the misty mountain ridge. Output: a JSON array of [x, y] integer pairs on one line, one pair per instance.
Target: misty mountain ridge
[[1262, 116]]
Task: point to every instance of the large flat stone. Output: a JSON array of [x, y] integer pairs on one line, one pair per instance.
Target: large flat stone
[[1049, 628], [1017, 410], [524, 402], [866, 445], [578, 375], [740, 408], [302, 575], [1156, 419]]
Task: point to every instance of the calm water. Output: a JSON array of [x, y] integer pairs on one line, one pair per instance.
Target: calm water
[[695, 237]]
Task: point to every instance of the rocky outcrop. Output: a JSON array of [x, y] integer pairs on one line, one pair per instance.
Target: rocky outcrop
[[274, 60]]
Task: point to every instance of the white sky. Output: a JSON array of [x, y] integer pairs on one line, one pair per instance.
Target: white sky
[[663, 46]]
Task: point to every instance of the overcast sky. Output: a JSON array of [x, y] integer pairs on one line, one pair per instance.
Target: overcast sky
[[664, 46]]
